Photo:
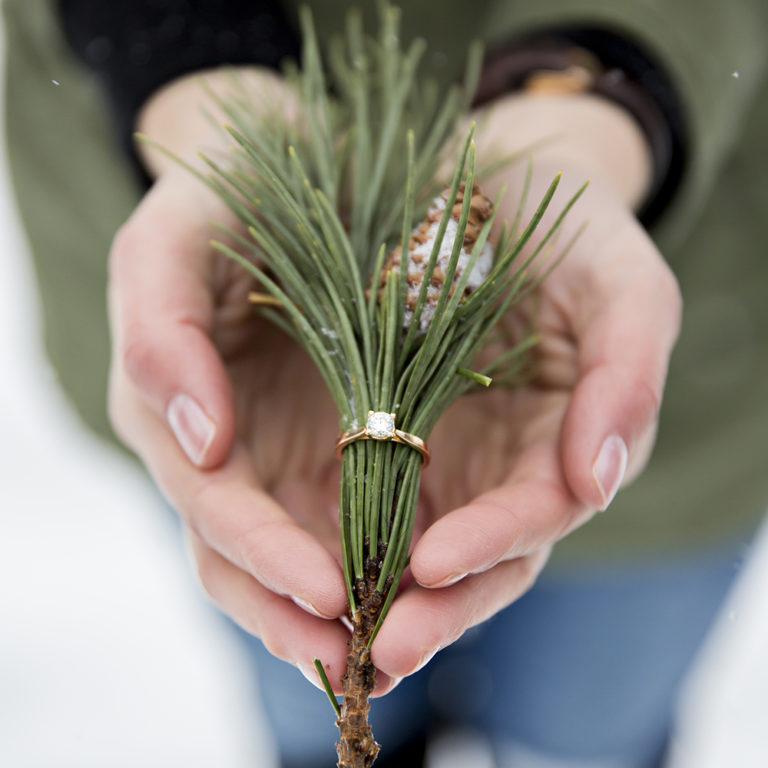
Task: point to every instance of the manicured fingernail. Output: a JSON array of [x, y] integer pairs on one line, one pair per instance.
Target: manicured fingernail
[[609, 468], [308, 607], [309, 672], [449, 581], [425, 660], [388, 687], [347, 623], [191, 426]]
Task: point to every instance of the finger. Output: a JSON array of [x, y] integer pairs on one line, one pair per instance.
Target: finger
[[161, 310], [287, 632], [229, 510], [423, 621], [624, 348], [532, 510]]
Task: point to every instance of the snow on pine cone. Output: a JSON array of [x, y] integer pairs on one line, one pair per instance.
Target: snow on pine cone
[[420, 246]]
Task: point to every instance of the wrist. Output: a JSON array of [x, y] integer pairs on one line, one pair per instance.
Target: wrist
[[182, 117], [581, 132]]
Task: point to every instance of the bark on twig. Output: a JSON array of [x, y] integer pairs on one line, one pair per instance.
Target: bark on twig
[[357, 748]]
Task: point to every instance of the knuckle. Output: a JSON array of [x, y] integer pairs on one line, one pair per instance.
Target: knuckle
[[249, 545], [205, 569], [530, 567], [245, 546], [647, 401], [438, 634], [206, 563], [200, 505], [411, 660], [119, 408], [641, 384], [137, 354], [276, 643]]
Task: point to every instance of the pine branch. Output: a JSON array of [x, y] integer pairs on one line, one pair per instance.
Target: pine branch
[[332, 204]]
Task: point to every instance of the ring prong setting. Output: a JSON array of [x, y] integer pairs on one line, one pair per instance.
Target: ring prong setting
[[380, 425]]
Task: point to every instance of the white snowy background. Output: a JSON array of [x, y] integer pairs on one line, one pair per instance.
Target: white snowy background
[[109, 655]]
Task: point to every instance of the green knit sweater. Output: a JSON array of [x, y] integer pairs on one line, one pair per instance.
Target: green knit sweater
[[708, 478]]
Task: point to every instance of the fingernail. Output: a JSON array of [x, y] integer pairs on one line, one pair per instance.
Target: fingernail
[[310, 673], [450, 580], [191, 426], [425, 659], [308, 607], [609, 468], [390, 686]]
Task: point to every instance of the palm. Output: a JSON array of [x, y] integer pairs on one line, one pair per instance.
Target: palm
[[285, 417], [485, 438], [288, 422]]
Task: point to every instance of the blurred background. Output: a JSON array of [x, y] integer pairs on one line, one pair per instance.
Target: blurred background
[[109, 655]]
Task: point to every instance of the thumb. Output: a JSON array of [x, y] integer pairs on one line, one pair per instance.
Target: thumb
[[161, 312]]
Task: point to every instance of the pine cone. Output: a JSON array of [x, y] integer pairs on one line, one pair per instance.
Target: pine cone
[[420, 246]]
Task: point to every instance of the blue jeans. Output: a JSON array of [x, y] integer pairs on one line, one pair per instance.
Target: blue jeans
[[584, 668]]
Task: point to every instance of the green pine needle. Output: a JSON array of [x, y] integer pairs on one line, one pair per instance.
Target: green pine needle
[[327, 686], [478, 378]]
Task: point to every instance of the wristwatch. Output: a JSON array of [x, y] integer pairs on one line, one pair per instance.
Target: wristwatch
[[597, 62]]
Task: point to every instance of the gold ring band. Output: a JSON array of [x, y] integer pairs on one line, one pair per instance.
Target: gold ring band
[[381, 426]]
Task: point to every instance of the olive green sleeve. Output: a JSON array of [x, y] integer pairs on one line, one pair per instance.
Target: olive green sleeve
[[714, 54]]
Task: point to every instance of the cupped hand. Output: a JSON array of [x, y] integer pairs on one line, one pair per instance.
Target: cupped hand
[[514, 471], [228, 415]]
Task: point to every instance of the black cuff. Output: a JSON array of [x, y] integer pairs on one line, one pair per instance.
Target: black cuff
[[136, 46], [628, 76]]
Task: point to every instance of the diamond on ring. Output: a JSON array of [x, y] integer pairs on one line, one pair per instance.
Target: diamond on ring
[[380, 425]]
